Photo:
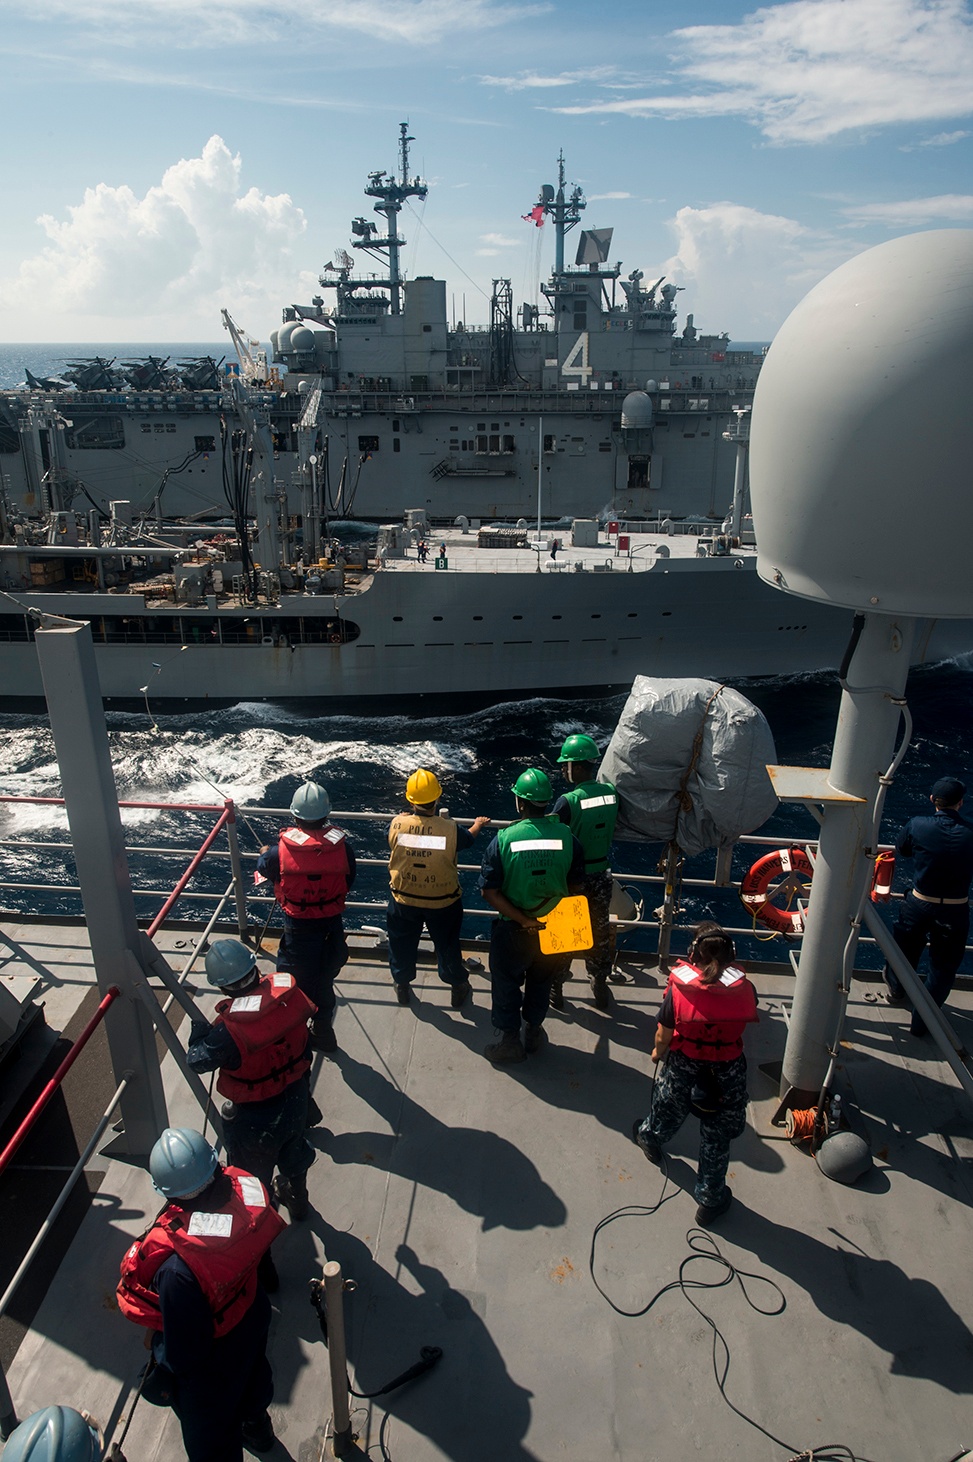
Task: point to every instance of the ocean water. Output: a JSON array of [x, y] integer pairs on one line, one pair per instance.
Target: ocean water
[[258, 753]]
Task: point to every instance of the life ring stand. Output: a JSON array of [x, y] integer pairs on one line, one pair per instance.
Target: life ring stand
[[786, 870]]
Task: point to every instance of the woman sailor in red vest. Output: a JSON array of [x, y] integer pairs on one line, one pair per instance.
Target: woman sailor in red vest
[[312, 868], [699, 1042], [192, 1280], [259, 1044]]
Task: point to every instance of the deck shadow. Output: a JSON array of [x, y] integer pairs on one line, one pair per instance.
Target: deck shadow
[[908, 1318], [481, 1172], [469, 1406]]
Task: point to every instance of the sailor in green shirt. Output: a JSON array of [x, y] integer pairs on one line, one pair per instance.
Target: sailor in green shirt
[[527, 869], [590, 810]]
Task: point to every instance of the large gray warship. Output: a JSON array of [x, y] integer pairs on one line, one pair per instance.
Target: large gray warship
[[386, 405], [381, 409]]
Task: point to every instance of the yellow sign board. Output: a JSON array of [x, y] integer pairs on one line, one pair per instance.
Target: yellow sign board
[[567, 928]]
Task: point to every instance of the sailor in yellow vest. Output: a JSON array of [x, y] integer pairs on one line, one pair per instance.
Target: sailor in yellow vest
[[528, 868], [425, 891]]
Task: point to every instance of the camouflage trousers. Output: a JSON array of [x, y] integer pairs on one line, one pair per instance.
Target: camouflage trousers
[[675, 1078], [597, 888]]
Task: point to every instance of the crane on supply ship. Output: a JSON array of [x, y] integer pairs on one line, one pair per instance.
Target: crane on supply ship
[[250, 353]]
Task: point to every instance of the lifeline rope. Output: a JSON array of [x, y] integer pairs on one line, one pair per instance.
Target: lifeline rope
[[684, 803], [704, 1249]]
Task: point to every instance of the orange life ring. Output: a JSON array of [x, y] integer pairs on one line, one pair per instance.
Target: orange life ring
[[882, 878], [781, 871]]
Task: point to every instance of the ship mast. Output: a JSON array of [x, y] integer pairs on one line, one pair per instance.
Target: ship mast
[[391, 193], [566, 212]]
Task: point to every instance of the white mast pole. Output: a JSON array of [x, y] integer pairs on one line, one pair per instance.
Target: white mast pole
[[540, 468]]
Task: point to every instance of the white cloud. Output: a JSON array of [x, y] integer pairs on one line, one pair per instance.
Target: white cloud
[[915, 212], [744, 271], [188, 24], [599, 197], [194, 242], [500, 241], [538, 81], [941, 139], [809, 70]]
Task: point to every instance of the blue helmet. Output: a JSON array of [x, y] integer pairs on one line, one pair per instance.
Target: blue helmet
[[182, 1163], [228, 962], [56, 1434], [310, 803]]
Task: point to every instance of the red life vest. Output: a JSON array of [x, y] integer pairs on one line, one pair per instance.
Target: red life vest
[[222, 1247], [313, 872], [710, 1019], [269, 1029]]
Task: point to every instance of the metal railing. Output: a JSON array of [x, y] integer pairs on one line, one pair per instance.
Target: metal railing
[[226, 822], [371, 910], [8, 1414]]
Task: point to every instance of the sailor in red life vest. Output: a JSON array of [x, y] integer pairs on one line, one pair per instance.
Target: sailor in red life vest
[[699, 1042], [312, 868], [259, 1044], [192, 1280]]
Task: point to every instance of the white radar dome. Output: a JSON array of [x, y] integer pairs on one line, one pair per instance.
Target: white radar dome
[[861, 444], [636, 411]]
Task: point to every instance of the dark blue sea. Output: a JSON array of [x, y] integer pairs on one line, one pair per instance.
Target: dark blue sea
[[258, 753]]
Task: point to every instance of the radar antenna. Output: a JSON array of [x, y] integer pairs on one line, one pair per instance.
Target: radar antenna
[[391, 193]]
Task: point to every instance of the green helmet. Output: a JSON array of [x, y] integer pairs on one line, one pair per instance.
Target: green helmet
[[533, 786], [579, 748]]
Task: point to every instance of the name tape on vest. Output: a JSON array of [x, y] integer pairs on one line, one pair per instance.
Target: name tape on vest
[[685, 974], [211, 1225], [606, 801], [251, 1191], [537, 845], [421, 840], [295, 835], [333, 835], [282, 982], [244, 1004]]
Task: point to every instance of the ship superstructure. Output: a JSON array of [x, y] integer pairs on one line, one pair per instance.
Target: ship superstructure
[[591, 389]]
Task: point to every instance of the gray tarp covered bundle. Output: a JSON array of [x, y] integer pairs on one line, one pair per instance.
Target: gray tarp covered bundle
[[689, 759]]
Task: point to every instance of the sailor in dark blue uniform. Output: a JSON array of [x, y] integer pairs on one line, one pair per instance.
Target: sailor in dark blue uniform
[[937, 908]]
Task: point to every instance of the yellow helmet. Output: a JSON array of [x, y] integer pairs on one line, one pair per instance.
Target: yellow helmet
[[423, 787]]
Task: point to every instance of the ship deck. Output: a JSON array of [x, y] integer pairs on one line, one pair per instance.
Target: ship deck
[[464, 555], [462, 1200]]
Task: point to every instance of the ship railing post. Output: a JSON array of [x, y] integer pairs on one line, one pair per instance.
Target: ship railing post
[[236, 866], [334, 1286], [667, 912], [69, 674]]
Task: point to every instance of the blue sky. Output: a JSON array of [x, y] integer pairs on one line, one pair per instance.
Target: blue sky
[[165, 158]]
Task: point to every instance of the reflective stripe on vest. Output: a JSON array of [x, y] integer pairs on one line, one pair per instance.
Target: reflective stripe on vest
[[269, 1029], [422, 863], [535, 855], [710, 1019], [222, 1248], [313, 872], [593, 809]]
